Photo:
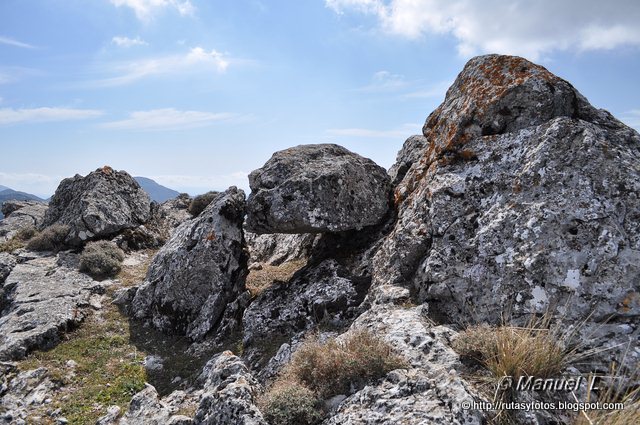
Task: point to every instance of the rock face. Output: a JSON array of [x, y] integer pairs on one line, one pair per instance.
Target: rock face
[[324, 293], [278, 248], [99, 205], [229, 393], [526, 199], [20, 214], [40, 299], [429, 391], [195, 278], [317, 188]]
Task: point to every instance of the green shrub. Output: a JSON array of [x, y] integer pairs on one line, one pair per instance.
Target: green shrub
[[101, 259], [51, 238], [290, 402], [201, 202]]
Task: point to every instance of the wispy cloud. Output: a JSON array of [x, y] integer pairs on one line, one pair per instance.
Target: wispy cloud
[[402, 132], [527, 28], [632, 118], [168, 119], [200, 184], [128, 42], [146, 9], [11, 74], [384, 81], [45, 114], [12, 42], [196, 59], [437, 90]]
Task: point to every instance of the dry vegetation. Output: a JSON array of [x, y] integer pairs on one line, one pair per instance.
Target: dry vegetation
[[101, 259], [319, 371], [259, 280], [50, 239], [109, 367]]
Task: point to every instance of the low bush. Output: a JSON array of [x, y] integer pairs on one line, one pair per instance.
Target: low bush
[[338, 367], [101, 259], [26, 233], [51, 238], [200, 202], [290, 402]]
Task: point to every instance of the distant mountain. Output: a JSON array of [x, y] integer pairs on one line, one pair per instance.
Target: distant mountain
[[7, 194], [156, 191]]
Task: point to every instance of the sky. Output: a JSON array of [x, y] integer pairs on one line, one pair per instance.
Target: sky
[[195, 94]]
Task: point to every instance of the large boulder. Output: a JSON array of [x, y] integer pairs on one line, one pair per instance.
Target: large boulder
[[277, 248], [19, 215], [100, 205], [195, 278], [317, 188], [525, 201]]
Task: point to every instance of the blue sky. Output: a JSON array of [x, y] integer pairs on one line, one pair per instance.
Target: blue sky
[[196, 93]]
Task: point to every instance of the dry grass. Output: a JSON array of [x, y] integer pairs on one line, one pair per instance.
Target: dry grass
[[132, 275], [50, 239], [514, 351], [319, 371], [19, 239], [259, 280], [337, 367], [620, 391]]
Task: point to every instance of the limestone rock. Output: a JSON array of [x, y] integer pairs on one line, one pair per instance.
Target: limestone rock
[[39, 300], [229, 393], [7, 263], [19, 215], [23, 393], [277, 248], [100, 205], [199, 273], [428, 391], [526, 199], [147, 407], [412, 150], [318, 294], [317, 188]]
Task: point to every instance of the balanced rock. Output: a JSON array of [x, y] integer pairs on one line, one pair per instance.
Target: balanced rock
[[317, 188], [525, 200], [100, 205], [194, 279]]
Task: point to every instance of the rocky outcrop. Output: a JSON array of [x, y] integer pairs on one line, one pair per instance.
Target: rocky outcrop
[[229, 393], [19, 215], [428, 390], [320, 294], [277, 248], [195, 282], [40, 299], [22, 392], [147, 407], [411, 152], [7, 263], [317, 188], [524, 201], [100, 205]]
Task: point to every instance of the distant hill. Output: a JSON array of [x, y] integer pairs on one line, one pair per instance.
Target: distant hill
[[156, 191], [7, 194]]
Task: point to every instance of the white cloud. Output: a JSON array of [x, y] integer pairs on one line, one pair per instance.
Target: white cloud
[[195, 60], [12, 42], [128, 42], [632, 118], [528, 28], [168, 119], [11, 74], [404, 131], [145, 9], [45, 114]]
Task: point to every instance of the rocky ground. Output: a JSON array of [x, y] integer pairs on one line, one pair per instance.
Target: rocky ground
[[504, 241]]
